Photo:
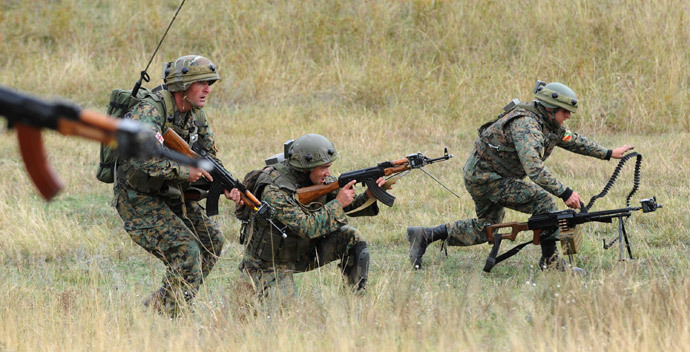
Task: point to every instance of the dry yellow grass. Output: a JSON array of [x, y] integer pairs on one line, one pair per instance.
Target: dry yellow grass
[[397, 77]]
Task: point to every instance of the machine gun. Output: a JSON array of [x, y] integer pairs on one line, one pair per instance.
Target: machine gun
[[566, 221], [368, 176], [28, 115]]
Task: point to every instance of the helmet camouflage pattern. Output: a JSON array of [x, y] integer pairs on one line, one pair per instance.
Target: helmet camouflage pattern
[[310, 151], [555, 95], [184, 71]]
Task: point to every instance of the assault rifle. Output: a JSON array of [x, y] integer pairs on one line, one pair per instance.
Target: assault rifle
[[566, 221], [222, 178], [28, 115], [368, 176]]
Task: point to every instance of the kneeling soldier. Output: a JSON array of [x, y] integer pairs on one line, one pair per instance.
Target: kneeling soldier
[[315, 235]]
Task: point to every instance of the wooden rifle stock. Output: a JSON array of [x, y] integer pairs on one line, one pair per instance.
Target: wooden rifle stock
[[309, 194], [306, 195], [515, 228], [173, 141]]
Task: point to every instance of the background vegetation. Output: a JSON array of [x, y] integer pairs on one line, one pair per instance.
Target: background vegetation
[[381, 79]]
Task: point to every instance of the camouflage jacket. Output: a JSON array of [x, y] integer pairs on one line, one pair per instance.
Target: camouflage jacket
[[517, 144], [277, 185], [319, 218], [148, 176]]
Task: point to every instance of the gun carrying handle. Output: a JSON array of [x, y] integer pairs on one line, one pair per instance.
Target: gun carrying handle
[[36, 162]]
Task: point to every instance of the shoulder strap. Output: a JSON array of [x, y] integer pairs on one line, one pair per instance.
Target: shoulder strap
[[164, 103]]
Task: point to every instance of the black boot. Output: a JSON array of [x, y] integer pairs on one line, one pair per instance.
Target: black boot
[[358, 273], [420, 237], [551, 261]]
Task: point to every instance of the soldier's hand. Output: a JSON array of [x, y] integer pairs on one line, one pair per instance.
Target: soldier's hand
[[619, 152], [380, 181], [346, 194], [195, 174], [574, 201], [234, 195]]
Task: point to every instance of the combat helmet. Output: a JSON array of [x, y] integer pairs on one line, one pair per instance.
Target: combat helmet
[[184, 71], [310, 151], [555, 95]]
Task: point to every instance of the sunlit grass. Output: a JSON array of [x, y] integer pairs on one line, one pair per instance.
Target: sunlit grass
[[380, 79]]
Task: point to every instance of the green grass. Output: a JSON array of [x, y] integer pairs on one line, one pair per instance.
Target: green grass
[[396, 77]]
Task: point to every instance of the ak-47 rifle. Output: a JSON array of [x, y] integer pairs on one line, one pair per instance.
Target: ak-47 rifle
[[28, 115], [222, 180], [368, 176]]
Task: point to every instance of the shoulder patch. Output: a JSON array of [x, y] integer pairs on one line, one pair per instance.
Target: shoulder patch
[[567, 136]]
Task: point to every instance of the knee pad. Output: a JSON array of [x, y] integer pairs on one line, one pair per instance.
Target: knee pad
[[358, 274]]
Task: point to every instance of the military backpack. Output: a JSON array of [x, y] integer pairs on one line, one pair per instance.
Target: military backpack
[[122, 101]]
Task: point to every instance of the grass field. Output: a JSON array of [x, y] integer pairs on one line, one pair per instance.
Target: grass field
[[381, 79]]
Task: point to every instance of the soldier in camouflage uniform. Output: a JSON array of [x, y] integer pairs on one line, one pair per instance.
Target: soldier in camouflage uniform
[[149, 194], [508, 149], [316, 234]]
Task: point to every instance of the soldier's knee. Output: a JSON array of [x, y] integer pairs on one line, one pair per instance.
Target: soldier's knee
[[545, 203]]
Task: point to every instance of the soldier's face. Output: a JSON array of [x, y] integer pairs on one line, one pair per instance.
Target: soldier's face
[[562, 115], [196, 94], [318, 174]]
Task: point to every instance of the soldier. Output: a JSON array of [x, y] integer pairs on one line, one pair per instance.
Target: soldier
[[149, 195], [508, 149], [316, 234]]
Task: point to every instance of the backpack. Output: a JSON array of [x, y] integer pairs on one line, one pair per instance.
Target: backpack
[[121, 101]]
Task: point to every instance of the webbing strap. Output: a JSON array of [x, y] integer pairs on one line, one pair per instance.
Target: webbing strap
[[492, 260]]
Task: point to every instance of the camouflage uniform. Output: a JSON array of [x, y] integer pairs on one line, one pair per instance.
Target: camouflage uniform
[[316, 235], [149, 196], [513, 147]]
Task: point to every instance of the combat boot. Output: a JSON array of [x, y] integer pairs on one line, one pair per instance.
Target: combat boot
[[358, 273], [550, 259], [420, 238], [155, 300]]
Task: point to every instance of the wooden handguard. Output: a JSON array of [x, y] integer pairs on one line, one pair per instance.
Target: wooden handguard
[[515, 228], [306, 195]]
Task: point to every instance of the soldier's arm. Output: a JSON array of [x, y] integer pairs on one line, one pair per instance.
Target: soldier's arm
[[529, 145], [360, 199], [303, 223], [579, 144], [156, 166]]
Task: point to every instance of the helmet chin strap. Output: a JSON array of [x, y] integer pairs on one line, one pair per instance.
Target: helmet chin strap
[[191, 105]]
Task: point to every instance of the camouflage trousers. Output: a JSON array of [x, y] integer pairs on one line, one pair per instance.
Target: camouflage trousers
[[181, 235], [490, 200], [275, 281]]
